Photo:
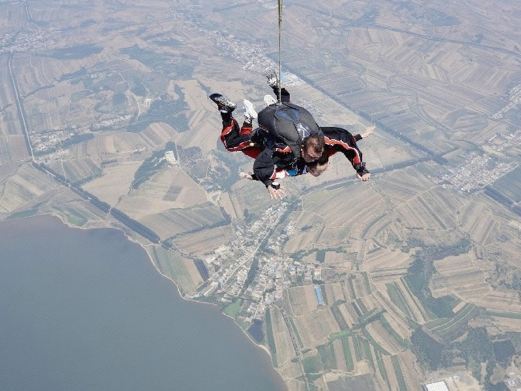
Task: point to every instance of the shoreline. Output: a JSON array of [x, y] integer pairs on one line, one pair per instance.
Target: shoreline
[[150, 258]]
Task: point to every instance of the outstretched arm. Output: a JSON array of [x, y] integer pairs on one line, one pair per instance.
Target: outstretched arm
[[341, 140], [264, 171], [264, 167], [354, 155]]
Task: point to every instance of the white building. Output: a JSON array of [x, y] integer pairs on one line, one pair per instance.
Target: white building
[[170, 158], [438, 386]]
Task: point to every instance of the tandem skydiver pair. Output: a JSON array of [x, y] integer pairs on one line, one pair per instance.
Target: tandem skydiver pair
[[288, 141]]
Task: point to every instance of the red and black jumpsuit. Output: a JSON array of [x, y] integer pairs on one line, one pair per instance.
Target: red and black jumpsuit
[[341, 140], [238, 138]]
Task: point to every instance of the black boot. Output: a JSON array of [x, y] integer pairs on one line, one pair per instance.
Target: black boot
[[223, 103]]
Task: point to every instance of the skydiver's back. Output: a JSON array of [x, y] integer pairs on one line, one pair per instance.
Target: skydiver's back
[[288, 124]]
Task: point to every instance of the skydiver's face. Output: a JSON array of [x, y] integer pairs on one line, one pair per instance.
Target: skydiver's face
[[309, 154], [318, 169]]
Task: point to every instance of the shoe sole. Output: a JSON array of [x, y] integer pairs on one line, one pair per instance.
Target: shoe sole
[[221, 100], [249, 110], [269, 100]]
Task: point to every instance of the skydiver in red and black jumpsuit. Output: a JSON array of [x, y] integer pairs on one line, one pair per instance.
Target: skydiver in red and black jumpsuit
[[270, 161], [335, 140]]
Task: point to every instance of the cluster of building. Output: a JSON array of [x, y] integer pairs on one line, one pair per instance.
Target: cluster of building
[[50, 141], [512, 379], [252, 56], [253, 266], [478, 172], [111, 122], [513, 383], [230, 264], [514, 100], [24, 41], [500, 142]]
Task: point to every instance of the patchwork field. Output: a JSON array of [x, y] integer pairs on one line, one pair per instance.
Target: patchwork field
[[23, 189], [349, 285]]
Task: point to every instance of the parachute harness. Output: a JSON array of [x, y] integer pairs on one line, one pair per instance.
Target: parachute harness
[[280, 34]]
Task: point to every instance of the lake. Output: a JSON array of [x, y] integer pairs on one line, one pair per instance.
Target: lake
[[86, 310]]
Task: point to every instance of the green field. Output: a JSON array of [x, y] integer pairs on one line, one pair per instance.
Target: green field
[[357, 344], [270, 337], [397, 298], [401, 341], [347, 354], [455, 326], [327, 355], [172, 266], [381, 366], [339, 317], [233, 309], [23, 213], [511, 315], [312, 365], [399, 375], [295, 332], [367, 352]]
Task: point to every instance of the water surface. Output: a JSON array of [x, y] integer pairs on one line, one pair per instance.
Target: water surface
[[85, 310]]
